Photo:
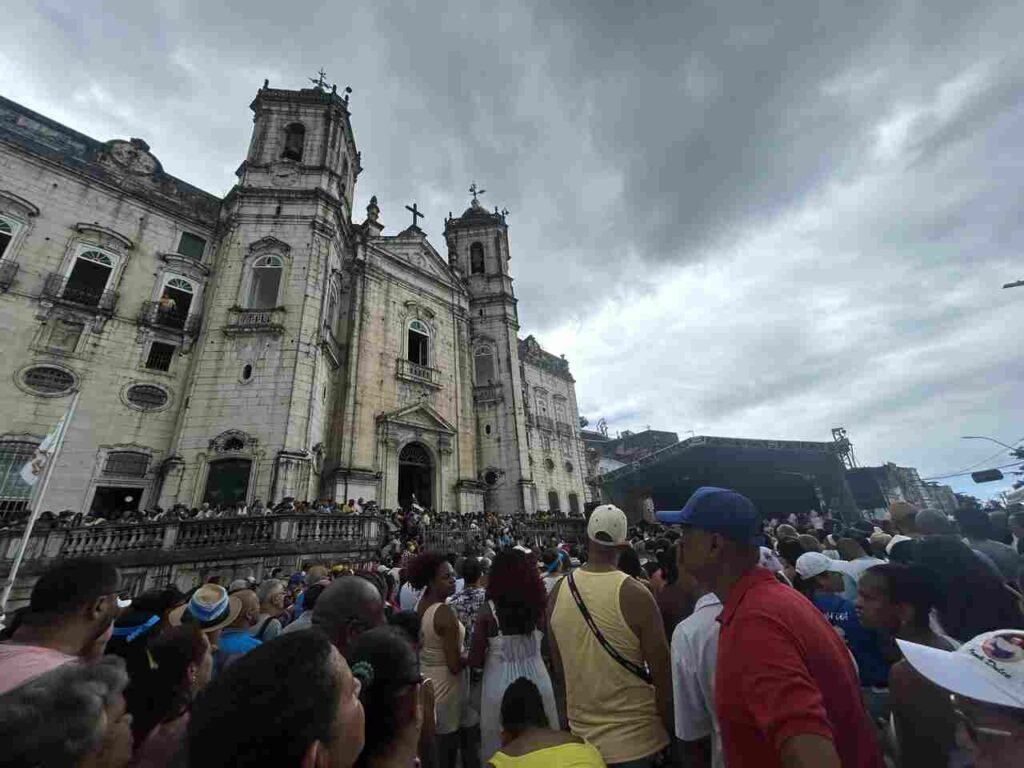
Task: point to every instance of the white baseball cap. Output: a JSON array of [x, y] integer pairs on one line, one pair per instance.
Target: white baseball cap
[[989, 668], [811, 564], [608, 525]]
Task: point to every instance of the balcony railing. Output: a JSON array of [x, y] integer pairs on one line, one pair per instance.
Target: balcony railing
[[8, 269], [255, 321], [152, 314], [178, 540], [407, 369], [57, 287], [489, 393], [564, 429], [545, 422]]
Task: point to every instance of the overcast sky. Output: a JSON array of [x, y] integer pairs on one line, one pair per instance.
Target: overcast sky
[[754, 223]]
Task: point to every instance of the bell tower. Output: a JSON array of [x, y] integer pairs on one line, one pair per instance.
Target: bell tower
[[271, 357], [478, 250]]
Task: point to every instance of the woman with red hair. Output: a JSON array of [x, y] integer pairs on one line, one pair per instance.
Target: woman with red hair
[[506, 642]]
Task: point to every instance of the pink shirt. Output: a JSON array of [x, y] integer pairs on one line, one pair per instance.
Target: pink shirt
[[20, 663]]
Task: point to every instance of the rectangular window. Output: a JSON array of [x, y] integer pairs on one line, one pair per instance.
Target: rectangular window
[[160, 356], [126, 463], [192, 246], [64, 335], [14, 492]]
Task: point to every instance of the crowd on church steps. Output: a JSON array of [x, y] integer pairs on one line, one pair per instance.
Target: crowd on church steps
[[711, 637]]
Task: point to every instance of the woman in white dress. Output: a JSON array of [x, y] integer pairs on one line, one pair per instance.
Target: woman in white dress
[[506, 642]]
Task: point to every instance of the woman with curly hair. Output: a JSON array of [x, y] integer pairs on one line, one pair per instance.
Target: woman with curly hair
[[441, 640], [506, 642]]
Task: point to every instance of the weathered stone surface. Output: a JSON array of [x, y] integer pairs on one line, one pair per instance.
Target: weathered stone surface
[[319, 385]]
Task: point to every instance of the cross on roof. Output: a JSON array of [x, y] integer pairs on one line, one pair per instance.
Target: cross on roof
[[475, 192], [415, 213], [319, 81]]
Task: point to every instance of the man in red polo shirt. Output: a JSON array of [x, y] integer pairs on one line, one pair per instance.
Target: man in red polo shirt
[[786, 690]]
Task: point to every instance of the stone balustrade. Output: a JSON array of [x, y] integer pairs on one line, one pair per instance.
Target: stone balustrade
[[177, 541]]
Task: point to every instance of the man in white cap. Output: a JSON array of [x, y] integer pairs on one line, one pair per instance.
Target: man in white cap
[[986, 679], [615, 672]]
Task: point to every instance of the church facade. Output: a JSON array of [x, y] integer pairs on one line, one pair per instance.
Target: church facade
[[264, 345]]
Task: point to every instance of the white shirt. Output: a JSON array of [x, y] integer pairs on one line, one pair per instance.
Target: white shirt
[[694, 653], [408, 597]]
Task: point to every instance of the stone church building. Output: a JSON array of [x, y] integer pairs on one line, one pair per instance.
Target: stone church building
[[264, 345]]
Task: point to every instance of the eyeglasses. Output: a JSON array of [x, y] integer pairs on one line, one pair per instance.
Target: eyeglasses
[[978, 734]]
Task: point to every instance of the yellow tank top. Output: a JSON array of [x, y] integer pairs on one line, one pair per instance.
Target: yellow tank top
[[562, 756], [607, 704]]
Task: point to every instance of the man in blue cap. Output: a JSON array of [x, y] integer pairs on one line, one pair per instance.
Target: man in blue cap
[[786, 691]]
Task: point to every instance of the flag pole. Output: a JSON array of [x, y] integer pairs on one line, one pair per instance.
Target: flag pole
[[37, 505]]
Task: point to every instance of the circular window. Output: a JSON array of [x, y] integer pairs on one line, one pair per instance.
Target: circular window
[[549, 464], [146, 397], [48, 380], [568, 467], [491, 477]]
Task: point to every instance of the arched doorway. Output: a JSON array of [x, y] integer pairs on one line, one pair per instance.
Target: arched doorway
[[415, 476], [227, 482]]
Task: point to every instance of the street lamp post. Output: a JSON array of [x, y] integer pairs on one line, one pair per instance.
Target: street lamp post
[[990, 439]]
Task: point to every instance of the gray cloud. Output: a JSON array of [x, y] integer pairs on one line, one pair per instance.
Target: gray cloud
[[752, 221]]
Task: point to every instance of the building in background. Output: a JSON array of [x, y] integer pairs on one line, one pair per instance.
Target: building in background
[[606, 454], [265, 345], [875, 488]]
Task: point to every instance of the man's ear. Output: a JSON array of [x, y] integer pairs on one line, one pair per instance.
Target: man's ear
[[96, 609]]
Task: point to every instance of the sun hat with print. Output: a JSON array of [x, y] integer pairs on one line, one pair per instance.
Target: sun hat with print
[[608, 525], [989, 668], [719, 510], [209, 608], [811, 564]]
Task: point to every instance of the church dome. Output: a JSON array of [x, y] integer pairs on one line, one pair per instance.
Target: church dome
[[477, 211]]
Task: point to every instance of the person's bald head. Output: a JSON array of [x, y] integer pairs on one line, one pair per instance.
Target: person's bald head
[[315, 573], [347, 608], [250, 609]]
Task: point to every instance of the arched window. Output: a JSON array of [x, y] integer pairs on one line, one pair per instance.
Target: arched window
[[176, 301], [483, 365], [476, 259], [542, 403], [7, 230], [294, 141], [266, 282], [574, 504], [419, 343], [89, 276], [553, 503], [330, 318]]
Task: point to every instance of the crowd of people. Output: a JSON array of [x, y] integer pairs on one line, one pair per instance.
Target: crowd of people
[[707, 638]]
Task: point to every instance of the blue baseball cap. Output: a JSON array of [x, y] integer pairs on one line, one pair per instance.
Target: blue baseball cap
[[719, 510]]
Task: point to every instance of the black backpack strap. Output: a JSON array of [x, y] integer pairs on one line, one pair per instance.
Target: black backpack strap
[[640, 671]]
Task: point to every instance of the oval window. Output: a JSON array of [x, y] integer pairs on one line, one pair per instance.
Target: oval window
[[146, 397], [487, 429], [246, 372], [47, 380], [568, 467], [491, 477], [549, 464]]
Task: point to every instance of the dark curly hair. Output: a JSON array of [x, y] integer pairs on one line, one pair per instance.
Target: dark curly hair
[[517, 591], [423, 569]]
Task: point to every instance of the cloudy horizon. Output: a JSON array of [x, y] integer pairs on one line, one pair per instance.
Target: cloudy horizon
[[744, 222]]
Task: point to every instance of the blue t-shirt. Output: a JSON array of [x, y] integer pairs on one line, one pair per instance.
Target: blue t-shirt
[[862, 642], [233, 644]]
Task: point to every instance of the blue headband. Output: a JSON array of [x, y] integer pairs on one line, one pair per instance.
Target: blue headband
[[130, 633]]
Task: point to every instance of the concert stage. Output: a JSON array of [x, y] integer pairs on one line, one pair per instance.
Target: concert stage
[[780, 476]]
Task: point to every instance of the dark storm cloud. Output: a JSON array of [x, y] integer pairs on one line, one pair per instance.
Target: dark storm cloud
[[753, 220]]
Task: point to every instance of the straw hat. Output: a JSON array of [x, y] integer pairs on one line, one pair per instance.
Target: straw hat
[[210, 608]]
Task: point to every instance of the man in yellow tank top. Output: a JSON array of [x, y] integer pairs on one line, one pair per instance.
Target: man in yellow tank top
[[618, 693]]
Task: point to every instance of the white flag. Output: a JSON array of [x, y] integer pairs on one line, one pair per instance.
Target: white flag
[[34, 469]]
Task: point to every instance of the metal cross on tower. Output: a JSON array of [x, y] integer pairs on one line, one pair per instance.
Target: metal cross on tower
[[475, 192], [320, 82], [415, 213]]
